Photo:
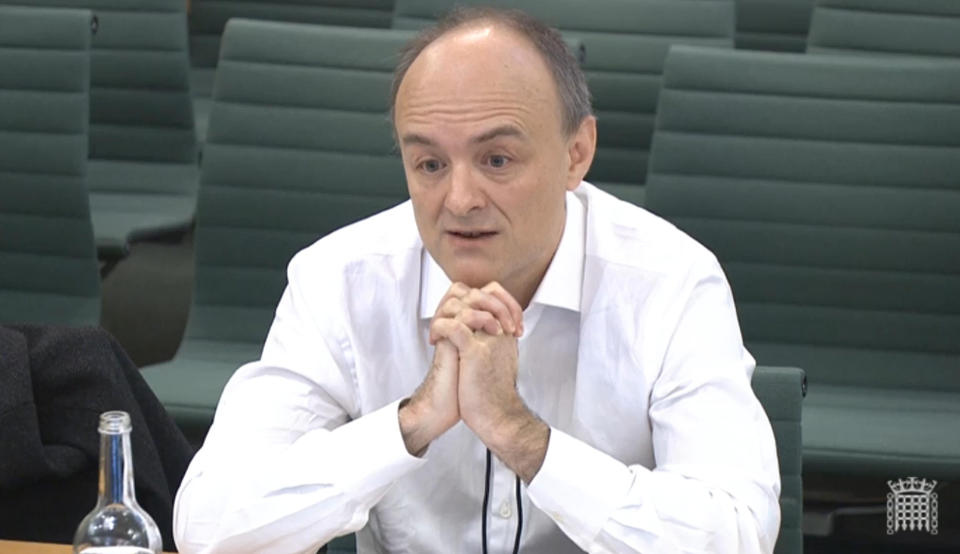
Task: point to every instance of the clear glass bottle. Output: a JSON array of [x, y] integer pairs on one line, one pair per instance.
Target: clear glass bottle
[[117, 524]]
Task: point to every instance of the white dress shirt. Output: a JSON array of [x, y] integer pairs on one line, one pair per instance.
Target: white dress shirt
[[632, 354]]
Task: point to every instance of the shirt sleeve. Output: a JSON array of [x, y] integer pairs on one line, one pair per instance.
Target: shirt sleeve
[[288, 463], [716, 483]]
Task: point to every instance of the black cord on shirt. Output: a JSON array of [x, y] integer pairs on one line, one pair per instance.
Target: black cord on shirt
[[516, 541], [486, 503]]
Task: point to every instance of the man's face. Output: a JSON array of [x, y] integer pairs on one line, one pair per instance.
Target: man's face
[[486, 157]]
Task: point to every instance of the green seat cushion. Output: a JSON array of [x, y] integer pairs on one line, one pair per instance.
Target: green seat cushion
[[189, 386], [120, 219], [875, 411], [883, 432], [139, 200]]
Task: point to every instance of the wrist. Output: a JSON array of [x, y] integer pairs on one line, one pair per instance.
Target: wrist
[[521, 443], [416, 437], [503, 429]]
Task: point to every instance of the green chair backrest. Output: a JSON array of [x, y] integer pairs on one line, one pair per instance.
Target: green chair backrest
[[780, 391], [209, 17], [829, 188], [778, 25], [910, 27], [140, 98], [626, 42], [48, 265], [299, 145]]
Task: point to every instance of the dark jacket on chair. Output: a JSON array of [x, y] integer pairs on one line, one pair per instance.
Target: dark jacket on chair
[[54, 383]]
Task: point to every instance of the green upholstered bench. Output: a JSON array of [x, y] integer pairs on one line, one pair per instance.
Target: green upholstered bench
[[778, 25], [829, 188], [626, 42], [48, 264], [209, 17], [891, 27], [299, 145]]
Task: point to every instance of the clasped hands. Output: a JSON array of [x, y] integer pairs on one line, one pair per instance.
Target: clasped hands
[[473, 377]]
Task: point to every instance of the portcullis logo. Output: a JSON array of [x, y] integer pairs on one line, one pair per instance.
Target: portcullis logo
[[912, 506]]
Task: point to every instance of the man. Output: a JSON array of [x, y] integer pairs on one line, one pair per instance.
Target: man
[[513, 360]]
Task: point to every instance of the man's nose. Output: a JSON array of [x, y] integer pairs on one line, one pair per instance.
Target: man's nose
[[465, 193]]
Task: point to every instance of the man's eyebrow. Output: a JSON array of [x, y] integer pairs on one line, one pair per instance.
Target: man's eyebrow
[[414, 138], [501, 131]]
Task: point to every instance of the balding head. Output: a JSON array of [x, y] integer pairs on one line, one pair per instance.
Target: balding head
[[564, 70], [482, 69]]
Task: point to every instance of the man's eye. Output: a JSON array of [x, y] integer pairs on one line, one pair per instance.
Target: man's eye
[[431, 166], [497, 161]]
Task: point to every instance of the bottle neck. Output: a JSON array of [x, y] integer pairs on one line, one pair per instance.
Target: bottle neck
[[116, 469]]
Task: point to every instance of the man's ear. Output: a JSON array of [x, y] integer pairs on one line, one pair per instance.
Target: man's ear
[[581, 147]]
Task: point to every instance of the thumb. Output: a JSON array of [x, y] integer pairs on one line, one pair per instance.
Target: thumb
[[446, 354]]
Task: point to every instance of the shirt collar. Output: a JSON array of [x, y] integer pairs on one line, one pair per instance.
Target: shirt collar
[[561, 285]]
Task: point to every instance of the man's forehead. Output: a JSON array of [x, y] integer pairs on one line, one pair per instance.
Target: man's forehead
[[496, 132]]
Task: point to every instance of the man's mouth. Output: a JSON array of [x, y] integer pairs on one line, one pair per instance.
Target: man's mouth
[[472, 234]]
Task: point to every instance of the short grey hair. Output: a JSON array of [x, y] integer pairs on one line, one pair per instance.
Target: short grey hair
[[565, 68]]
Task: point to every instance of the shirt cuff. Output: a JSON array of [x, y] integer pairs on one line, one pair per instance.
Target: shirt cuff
[[360, 456], [579, 487]]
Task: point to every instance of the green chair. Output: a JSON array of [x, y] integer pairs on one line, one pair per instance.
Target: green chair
[[299, 145], [829, 188], [626, 42], [928, 28], [143, 153], [208, 18], [778, 25], [48, 264], [780, 391]]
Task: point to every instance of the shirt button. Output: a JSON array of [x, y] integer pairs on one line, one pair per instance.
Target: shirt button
[[506, 510]]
